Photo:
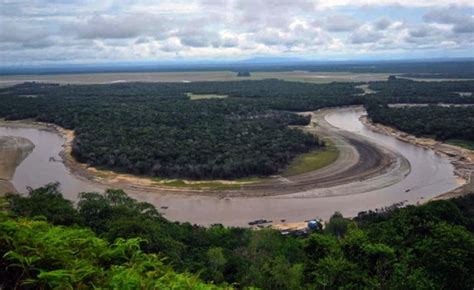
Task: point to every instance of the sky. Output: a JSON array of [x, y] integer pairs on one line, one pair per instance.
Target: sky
[[37, 32]]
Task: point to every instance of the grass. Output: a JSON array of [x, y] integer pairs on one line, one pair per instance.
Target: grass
[[461, 143], [313, 160], [195, 97]]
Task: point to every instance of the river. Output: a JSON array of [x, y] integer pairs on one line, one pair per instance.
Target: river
[[430, 176]]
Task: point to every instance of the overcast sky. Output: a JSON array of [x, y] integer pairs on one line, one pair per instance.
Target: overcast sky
[[95, 31]]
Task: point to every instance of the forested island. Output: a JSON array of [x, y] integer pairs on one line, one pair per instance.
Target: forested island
[[155, 129], [111, 240]]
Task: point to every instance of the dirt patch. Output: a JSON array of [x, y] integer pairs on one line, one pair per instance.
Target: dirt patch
[[195, 97]]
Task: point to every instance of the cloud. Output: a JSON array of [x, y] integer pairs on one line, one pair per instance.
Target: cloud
[[341, 23], [195, 33], [404, 3], [24, 35], [465, 27], [382, 23], [121, 26], [420, 32], [197, 40], [460, 19], [19, 34], [365, 34], [230, 41], [105, 27], [171, 45], [113, 30]]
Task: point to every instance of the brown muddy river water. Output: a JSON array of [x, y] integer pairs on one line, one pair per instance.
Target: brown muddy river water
[[430, 175]]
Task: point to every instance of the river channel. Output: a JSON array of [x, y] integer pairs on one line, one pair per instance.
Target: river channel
[[429, 176]]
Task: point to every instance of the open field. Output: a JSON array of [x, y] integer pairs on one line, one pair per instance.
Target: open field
[[195, 97], [201, 76], [104, 78]]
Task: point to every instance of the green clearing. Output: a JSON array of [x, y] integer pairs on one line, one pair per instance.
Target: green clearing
[[461, 143], [313, 160], [195, 97]]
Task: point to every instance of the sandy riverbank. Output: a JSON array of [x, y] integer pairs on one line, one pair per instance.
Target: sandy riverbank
[[13, 150], [461, 158]]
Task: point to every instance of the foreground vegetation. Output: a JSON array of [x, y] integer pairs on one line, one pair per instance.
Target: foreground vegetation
[[38, 255], [443, 123], [112, 241]]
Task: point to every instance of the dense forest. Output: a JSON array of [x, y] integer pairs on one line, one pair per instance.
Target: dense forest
[[441, 122], [110, 240], [399, 90], [156, 129]]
